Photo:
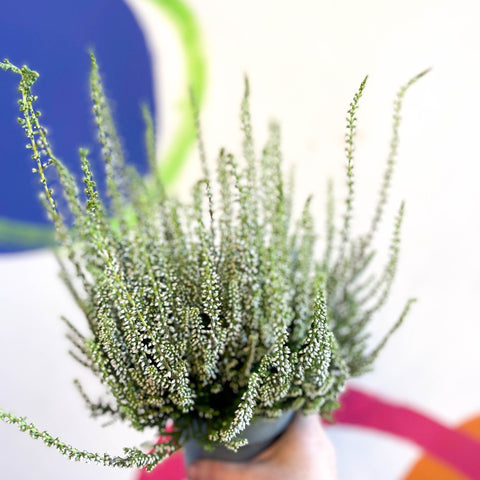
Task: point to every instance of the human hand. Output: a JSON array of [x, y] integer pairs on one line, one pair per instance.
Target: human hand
[[303, 452]]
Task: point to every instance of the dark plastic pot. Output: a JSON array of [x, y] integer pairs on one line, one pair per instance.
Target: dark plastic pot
[[260, 434]]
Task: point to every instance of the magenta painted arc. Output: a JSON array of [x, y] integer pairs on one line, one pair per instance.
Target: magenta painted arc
[[362, 409], [459, 450]]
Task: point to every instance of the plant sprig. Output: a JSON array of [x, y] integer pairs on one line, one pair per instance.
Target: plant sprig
[[214, 310]]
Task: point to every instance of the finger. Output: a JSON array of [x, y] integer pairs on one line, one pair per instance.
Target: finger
[[215, 470]]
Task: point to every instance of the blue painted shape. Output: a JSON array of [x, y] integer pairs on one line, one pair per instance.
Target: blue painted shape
[[53, 38]]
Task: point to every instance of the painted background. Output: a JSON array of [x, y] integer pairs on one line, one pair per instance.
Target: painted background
[[305, 60]]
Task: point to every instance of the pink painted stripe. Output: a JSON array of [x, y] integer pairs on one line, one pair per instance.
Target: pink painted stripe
[[459, 450], [172, 468]]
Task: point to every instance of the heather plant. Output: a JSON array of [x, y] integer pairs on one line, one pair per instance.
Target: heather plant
[[213, 310]]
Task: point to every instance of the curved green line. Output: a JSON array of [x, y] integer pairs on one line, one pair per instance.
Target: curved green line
[[195, 62], [14, 233]]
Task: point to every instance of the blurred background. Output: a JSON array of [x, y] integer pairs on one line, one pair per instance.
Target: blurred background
[[305, 60]]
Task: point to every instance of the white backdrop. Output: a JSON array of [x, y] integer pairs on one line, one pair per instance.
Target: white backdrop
[[305, 60]]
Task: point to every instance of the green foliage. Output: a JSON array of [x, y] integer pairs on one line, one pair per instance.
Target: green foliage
[[355, 294], [215, 310]]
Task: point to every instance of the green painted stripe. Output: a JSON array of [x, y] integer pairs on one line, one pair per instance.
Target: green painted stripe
[[14, 233], [187, 27], [25, 234]]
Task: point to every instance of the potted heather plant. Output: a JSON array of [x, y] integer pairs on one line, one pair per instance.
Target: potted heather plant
[[214, 313]]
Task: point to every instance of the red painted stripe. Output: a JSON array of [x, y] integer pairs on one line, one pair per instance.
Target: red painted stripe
[[459, 450]]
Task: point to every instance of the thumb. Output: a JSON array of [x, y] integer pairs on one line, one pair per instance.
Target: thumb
[[215, 470]]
